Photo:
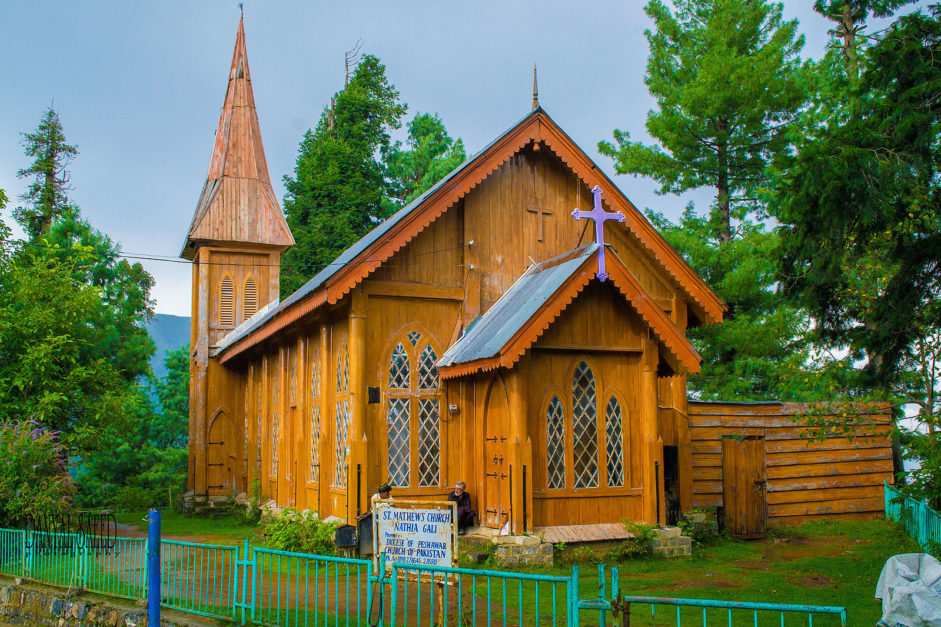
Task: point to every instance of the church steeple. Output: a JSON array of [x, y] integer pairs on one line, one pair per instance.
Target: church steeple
[[238, 204]]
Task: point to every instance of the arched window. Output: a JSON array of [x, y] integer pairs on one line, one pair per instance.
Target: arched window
[[614, 443], [398, 436], [226, 302], [429, 420], [342, 416], [249, 298], [315, 426], [413, 392], [584, 427], [555, 444]]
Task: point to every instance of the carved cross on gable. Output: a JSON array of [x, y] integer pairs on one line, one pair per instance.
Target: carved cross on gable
[[599, 215], [537, 207]]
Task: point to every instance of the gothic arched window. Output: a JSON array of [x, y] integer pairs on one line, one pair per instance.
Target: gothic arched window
[[614, 443], [226, 302], [584, 427], [249, 298], [315, 425], [342, 414], [555, 444], [413, 391]]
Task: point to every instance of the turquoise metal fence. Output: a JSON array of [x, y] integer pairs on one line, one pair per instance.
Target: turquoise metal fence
[[920, 521], [257, 586], [429, 595], [303, 589], [199, 578]]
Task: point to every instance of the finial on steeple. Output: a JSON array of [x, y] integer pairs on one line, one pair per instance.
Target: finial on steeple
[[535, 89], [242, 9]]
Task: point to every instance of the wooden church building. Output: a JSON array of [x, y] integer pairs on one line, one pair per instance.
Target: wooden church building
[[482, 333]]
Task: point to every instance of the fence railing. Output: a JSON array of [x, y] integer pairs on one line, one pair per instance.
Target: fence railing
[[258, 586], [920, 521]]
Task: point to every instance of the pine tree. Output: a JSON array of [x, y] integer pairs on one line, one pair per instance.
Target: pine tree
[[45, 197], [729, 84], [335, 196], [430, 155]]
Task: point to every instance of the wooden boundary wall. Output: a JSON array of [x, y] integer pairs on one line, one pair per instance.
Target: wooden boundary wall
[[842, 474]]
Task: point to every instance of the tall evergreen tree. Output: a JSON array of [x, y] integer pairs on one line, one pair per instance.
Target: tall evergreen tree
[[729, 84], [429, 156], [335, 196], [46, 197]]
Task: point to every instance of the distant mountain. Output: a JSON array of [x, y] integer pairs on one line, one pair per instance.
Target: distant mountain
[[169, 333]]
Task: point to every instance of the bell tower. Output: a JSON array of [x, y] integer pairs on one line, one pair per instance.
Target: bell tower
[[235, 243]]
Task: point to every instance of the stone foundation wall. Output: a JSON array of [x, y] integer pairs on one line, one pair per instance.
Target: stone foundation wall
[[669, 542], [35, 605], [522, 551]]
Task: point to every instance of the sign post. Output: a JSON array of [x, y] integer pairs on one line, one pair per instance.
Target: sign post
[[415, 533]]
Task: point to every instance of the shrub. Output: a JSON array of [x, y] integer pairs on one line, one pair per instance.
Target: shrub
[[34, 479], [636, 546], [299, 532]]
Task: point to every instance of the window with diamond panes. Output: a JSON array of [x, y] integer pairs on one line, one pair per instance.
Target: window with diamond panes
[[584, 427], [413, 393], [555, 444], [341, 415], [315, 423], [614, 443]]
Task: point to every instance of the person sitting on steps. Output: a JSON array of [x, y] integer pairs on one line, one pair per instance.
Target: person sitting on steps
[[465, 514]]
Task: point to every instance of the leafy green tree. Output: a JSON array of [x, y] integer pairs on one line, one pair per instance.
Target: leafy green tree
[[171, 428], [124, 288], [430, 155], [335, 196], [48, 369], [45, 197], [729, 84]]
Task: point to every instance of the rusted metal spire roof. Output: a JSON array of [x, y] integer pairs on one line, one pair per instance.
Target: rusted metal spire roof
[[238, 203]]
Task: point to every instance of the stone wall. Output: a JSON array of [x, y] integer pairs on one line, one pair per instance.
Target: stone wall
[[35, 605], [522, 551]]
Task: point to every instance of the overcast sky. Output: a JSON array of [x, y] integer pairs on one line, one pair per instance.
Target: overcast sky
[[139, 86]]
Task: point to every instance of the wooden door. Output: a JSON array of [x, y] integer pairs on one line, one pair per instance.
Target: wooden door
[[220, 455], [496, 464], [743, 486]]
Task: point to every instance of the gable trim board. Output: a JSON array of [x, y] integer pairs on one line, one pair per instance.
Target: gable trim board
[[365, 256], [520, 317]]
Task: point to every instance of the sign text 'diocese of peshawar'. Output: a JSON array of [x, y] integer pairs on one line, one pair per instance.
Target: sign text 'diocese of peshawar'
[[415, 536]]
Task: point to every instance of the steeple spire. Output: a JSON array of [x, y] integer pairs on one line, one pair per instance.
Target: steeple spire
[[238, 203], [535, 89]]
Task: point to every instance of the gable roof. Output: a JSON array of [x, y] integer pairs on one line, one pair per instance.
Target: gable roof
[[237, 203], [512, 325], [363, 257]]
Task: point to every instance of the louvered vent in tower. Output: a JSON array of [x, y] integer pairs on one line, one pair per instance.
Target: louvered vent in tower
[[227, 302], [250, 298]]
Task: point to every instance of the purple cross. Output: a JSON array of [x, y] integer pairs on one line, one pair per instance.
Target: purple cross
[[599, 215]]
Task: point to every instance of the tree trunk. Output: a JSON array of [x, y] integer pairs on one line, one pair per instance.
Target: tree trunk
[[848, 33], [722, 188]]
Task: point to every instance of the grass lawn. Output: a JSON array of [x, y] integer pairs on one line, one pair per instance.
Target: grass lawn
[[818, 563], [174, 525]]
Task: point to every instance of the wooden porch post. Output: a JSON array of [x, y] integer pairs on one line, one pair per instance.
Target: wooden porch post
[[359, 399], [648, 429], [517, 439], [200, 378]]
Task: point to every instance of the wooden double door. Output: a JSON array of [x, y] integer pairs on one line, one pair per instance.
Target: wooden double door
[[744, 486]]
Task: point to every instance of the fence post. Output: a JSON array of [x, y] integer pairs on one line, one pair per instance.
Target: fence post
[[153, 569], [243, 582], [602, 612], [255, 575], [28, 545], [574, 597]]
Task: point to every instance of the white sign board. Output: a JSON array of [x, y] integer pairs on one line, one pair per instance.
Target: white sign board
[[417, 533]]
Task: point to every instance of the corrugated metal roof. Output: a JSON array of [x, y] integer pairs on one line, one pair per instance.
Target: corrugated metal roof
[[365, 242], [489, 334]]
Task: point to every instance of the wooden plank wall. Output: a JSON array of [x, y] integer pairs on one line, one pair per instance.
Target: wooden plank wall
[[807, 479]]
